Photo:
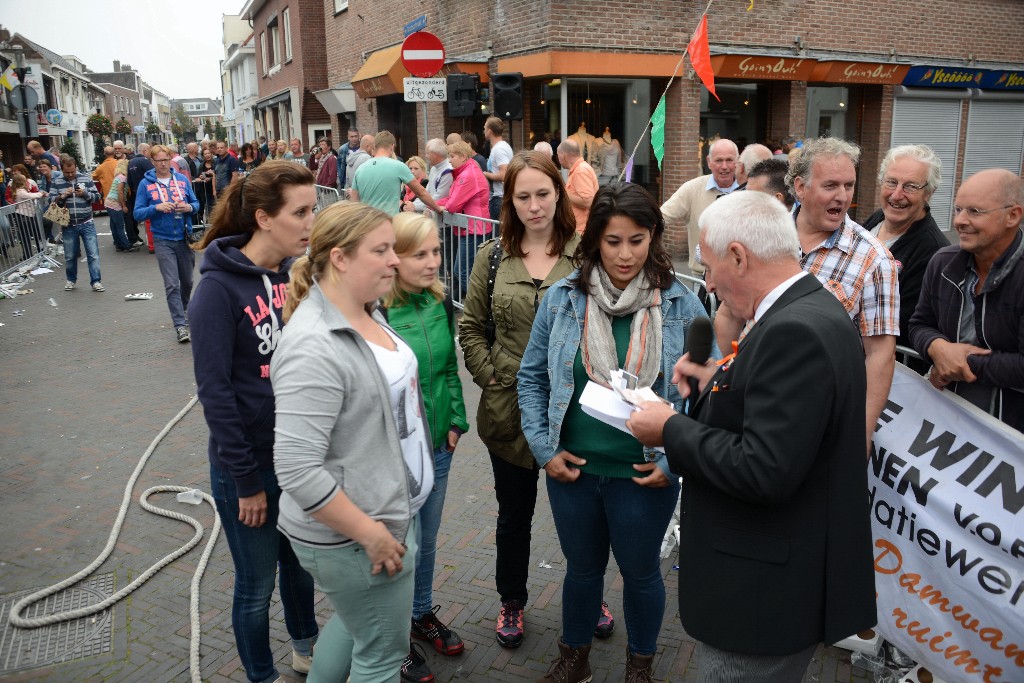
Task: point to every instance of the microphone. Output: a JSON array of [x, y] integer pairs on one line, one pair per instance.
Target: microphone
[[698, 345]]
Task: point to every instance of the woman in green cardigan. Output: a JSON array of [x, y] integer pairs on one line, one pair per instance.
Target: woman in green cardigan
[[420, 311]]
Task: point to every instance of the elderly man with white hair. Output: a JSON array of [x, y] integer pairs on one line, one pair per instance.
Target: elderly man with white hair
[[749, 157], [439, 180]]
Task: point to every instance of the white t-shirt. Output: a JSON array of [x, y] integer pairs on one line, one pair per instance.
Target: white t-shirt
[[501, 155], [402, 374]]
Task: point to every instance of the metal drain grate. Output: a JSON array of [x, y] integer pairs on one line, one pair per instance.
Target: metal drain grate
[[29, 648]]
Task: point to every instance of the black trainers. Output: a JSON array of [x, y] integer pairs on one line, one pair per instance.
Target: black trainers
[[414, 668], [182, 334], [605, 623], [509, 627], [444, 640]]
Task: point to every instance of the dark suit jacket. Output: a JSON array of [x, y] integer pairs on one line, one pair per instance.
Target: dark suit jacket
[[775, 547]]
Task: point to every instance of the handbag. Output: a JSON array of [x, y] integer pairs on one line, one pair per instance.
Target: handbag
[[58, 214]]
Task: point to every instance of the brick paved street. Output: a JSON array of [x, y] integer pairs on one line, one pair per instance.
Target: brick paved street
[[88, 384]]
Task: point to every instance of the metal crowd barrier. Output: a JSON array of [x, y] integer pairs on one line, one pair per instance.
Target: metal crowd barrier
[[325, 196], [459, 252], [23, 245]]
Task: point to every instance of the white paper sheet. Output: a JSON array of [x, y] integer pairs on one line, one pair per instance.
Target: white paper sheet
[[602, 404]]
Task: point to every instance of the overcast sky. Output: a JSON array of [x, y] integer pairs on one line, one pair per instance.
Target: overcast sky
[[175, 46]]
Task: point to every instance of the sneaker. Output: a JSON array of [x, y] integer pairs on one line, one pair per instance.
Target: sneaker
[[138, 242], [68, 286], [182, 333], [444, 640], [509, 626], [98, 287], [414, 668], [301, 664], [605, 623]]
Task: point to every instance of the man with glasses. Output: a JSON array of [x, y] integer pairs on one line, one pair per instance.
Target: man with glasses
[[165, 198], [909, 176], [848, 260], [968, 321]]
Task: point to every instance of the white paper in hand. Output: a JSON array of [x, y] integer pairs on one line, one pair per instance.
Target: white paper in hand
[[603, 404]]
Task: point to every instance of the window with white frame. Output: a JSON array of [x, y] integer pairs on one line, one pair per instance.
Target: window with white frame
[[287, 29], [263, 51], [340, 6]]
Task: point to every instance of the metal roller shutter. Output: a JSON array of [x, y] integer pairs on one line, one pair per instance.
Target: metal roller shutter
[[936, 123], [995, 136]]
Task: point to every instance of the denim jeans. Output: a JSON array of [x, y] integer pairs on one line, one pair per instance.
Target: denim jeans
[[87, 232], [430, 522], [494, 206], [516, 490], [117, 231], [176, 261], [466, 257], [257, 554], [368, 635], [595, 513]]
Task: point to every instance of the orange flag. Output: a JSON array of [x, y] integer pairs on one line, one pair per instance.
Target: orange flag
[[700, 56]]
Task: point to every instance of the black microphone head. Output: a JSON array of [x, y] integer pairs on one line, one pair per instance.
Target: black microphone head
[[698, 340]]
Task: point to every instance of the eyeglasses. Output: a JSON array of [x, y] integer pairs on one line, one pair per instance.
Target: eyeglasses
[[908, 188], [974, 212], [161, 161]]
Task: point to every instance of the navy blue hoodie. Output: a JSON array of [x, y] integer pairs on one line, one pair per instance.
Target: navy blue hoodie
[[235, 327]]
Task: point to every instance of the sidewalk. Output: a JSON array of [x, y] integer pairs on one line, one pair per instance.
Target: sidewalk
[[88, 384]]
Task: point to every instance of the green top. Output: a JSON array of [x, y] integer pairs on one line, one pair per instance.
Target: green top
[[379, 183], [422, 322], [608, 451]]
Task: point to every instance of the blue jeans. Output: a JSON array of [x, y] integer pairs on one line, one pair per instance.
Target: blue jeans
[[176, 261], [87, 232], [593, 514], [257, 554], [117, 231], [430, 522], [494, 206], [466, 257], [368, 635]]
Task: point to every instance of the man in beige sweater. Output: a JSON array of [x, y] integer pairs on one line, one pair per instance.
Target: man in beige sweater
[[689, 201]]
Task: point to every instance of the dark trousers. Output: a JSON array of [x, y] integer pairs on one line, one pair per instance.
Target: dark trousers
[[131, 227], [516, 490]]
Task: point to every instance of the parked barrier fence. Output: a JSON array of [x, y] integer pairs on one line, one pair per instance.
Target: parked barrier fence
[[325, 196], [23, 245], [461, 237]]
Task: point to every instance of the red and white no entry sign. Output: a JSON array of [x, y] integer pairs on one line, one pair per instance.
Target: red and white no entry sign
[[422, 54]]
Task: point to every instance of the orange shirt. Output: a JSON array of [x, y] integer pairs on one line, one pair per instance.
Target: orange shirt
[[582, 184], [104, 175]]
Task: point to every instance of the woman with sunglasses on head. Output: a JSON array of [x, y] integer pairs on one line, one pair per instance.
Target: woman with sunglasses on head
[[621, 308]]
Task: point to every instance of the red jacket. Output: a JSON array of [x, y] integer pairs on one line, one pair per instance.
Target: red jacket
[[469, 195]]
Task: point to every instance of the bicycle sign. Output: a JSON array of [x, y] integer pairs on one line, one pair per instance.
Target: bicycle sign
[[425, 89]]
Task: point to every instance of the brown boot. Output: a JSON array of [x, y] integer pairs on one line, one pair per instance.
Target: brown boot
[[638, 667], [572, 665]]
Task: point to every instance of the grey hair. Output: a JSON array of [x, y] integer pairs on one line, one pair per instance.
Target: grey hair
[[756, 220], [569, 148], [437, 146], [723, 141], [800, 167], [923, 153], [752, 154], [544, 147]]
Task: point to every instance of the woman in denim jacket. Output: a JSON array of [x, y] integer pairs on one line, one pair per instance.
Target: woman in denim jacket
[[621, 308]]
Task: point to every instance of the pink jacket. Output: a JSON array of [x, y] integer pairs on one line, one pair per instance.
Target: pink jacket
[[469, 195]]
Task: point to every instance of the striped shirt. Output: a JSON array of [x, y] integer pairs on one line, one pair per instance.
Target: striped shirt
[[861, 273], [80, 208]]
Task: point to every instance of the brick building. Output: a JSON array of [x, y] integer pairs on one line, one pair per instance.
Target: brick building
[[784, 68], [290, 67]]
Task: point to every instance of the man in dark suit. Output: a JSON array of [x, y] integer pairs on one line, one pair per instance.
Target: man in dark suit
[[775, 538]]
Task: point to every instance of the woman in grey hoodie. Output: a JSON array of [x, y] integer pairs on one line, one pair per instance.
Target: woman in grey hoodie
[[352, 452]]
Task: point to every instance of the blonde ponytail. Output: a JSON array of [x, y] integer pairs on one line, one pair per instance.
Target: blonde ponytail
[[300, 280]]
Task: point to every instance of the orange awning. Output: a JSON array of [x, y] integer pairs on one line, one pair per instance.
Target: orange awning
[[381, 73], [556, 63]]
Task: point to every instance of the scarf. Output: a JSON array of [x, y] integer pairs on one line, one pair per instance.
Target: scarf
[[605, 301]]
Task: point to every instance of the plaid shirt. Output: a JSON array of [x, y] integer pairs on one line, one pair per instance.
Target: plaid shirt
[[861, 273], [80, 208]]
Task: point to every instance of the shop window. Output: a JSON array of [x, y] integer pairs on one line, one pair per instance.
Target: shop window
[[826, 111]]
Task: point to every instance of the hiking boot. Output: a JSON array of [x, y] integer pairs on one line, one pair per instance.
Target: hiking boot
[[182, 332], [572, 665], [509, 626], [444, 640], [414, 668], [605, 623], [638, 667]]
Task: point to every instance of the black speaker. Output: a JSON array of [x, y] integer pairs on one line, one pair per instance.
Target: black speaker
[[508, 96], [462, 93]]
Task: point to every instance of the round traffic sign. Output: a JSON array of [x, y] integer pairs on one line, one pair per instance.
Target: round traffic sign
[[422, 54]]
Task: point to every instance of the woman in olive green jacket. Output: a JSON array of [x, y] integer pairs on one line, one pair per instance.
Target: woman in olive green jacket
[[538, 239]]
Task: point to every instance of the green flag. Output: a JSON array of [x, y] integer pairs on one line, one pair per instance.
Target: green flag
[[658, 131]]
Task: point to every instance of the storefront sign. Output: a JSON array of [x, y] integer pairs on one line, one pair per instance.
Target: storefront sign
[[757, 68], [374, 87], [1003, 80], [859, 72], [943, 77]]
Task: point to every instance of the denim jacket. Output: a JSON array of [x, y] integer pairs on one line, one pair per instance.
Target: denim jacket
[[545, 374]]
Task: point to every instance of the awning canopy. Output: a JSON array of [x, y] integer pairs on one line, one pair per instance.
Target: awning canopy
[[274, 99], [340, 99], [383, 71]]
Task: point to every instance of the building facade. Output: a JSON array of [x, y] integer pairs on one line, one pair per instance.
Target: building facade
[[782, 69], [238, 80]]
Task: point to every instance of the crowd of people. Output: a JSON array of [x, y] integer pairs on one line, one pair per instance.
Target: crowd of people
[[325, 358]]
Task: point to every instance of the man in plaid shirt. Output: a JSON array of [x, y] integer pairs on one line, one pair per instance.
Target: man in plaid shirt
[[847, 259], [77, 193]]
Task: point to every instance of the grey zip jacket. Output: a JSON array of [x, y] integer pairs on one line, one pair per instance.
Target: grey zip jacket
[[334, 430]]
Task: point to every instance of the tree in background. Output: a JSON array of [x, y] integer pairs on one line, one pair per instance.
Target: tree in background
[[123, 127], [183, 125], [219, 131], [71, 147]]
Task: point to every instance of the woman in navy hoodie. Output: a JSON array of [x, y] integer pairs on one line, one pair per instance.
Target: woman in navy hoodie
[[260, 225]]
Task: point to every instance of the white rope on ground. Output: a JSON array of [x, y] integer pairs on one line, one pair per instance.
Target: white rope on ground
[[35, 622]]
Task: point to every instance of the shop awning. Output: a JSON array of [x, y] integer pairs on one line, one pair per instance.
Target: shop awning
[[274, 99], [381, 73], [340, 99], [877, 73], [557, 63]]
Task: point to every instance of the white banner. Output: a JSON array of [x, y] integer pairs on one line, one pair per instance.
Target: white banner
[[946, 484]]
